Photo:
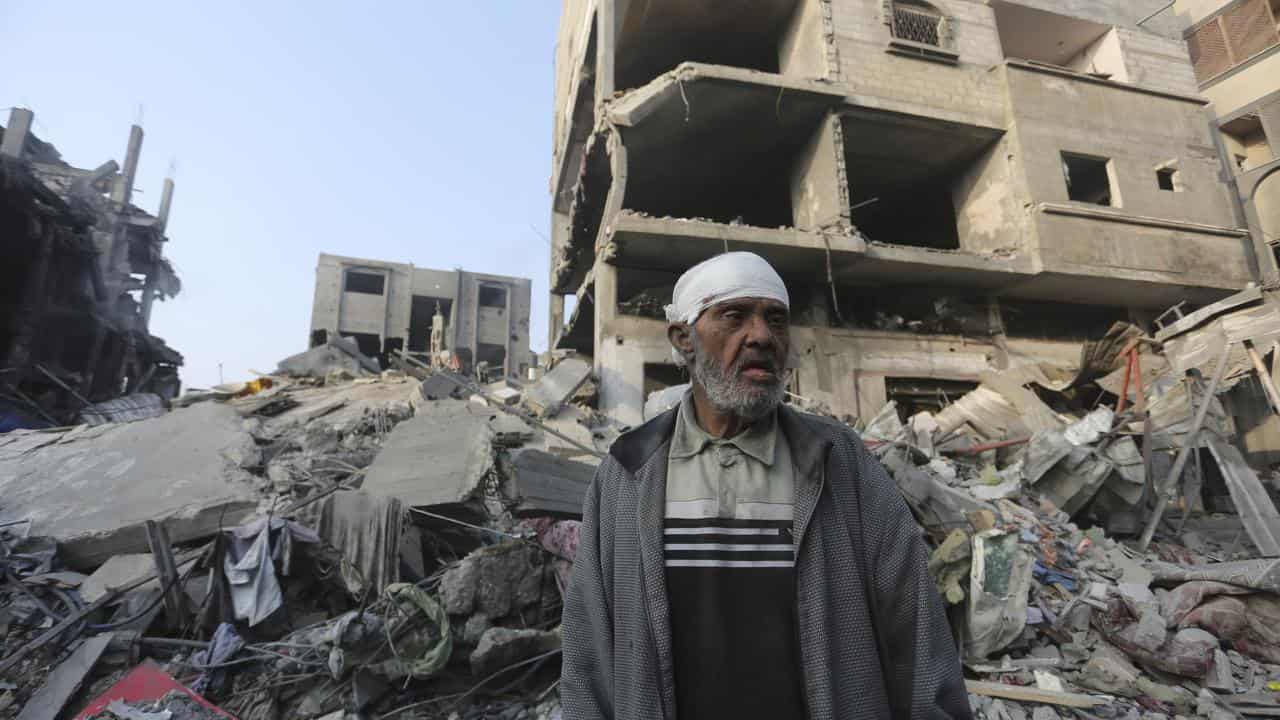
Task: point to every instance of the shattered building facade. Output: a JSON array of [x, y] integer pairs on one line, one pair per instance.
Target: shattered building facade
[[1235, 49], [948, 187], [82, 269], [388, 307]]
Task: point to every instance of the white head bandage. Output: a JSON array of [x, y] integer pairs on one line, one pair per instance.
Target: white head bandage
[[730, 276]]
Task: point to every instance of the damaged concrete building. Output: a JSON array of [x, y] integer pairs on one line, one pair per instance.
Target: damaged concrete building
[[82, 269], [388, 307], [1235, 48], [948, 187]]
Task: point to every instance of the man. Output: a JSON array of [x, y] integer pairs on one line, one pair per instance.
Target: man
[[739, 559]]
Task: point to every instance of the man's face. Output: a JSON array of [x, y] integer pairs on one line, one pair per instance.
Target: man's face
[[739, 350]]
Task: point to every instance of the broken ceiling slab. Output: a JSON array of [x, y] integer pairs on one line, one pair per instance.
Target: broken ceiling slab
[[709, 97], [437, 458], [549, 394], [547, 485], [95, 488], [643, 241]]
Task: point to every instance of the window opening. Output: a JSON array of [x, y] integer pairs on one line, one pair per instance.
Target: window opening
[[917, 22], [370, 344], [363, 282], [493, 296], [1088, 179], [916, 395], [1167, 179]]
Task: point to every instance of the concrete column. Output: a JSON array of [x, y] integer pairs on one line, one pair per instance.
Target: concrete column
[[621, 373], [555, 322], [819, 196], [123, 190], [15, 134], [166, 201]]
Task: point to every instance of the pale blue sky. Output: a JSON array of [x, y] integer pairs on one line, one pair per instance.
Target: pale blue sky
[[408, 131]]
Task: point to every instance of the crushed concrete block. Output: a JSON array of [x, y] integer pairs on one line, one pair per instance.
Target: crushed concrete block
[[1109, 671], [503, 647], [1220, 677], [496, 581], [543, 484], [437, 458], [506, 395], [95, 488], [475, 628], [339, 354], [549, 394]]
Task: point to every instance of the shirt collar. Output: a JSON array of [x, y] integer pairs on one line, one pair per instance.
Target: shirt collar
[[690, 439]]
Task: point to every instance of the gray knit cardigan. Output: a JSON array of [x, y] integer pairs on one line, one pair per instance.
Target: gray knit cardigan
[[874, 639]]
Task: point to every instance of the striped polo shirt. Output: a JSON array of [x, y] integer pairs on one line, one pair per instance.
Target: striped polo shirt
[[730, 566]]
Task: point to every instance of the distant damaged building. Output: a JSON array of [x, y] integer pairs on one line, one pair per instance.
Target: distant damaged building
[[82, 267], [949, 187], [388, 307]]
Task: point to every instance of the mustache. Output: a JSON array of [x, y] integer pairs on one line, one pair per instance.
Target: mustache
[[758, 361]]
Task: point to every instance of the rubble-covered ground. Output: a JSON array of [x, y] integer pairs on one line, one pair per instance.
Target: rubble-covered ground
[[334, 541]]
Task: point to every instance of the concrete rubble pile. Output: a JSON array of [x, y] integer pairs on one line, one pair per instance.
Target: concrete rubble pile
[[336, 540], [331, 540], [1105, 537]]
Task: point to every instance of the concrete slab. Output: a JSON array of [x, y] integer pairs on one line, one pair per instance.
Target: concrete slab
[[555, 388], [93, 490], [436, 458], [548, 485]]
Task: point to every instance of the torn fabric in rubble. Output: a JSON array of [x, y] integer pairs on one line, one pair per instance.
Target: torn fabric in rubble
[[253, 550]]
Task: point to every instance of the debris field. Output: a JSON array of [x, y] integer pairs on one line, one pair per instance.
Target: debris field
[[335, 540]]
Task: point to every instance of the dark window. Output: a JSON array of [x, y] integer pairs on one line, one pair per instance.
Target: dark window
[[319, 337], [421, 316], [370, 345], [915, 395], [363, 282], [495, 356], [493, 296], [1088, 179], [1167, 179]]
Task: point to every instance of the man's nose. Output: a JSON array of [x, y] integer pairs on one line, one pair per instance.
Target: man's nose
[[759, 334]]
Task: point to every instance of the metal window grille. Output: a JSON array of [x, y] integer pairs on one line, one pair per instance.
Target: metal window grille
[[916, 25]]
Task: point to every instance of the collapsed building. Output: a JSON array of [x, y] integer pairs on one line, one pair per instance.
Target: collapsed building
[[387, 307], [949, 188], [83, 268]]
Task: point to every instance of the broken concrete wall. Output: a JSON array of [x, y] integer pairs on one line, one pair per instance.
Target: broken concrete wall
[[989, 202], [94, 488], [806, 49], [338, 310], [965, 92]]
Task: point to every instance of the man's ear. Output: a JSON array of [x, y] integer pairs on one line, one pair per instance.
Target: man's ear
[[681, 337]]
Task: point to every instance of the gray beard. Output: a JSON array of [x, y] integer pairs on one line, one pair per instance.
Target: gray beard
[[745, 399]]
